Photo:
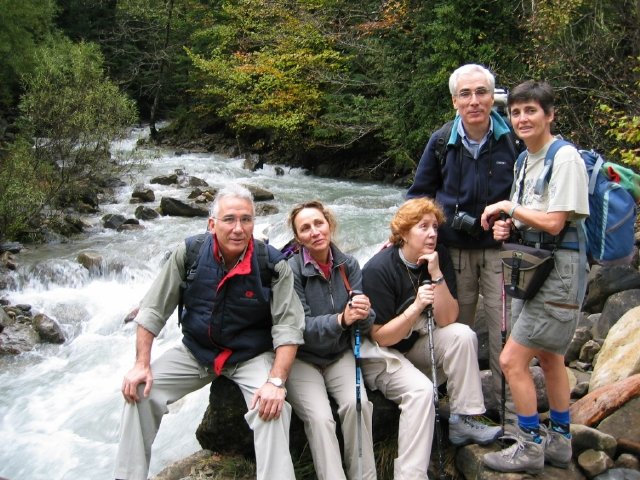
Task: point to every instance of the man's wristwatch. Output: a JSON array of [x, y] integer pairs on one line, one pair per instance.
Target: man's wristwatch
[[438, 281], [276, 381]]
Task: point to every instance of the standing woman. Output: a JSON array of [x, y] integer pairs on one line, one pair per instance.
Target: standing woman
[[543, 326], [323, 279]]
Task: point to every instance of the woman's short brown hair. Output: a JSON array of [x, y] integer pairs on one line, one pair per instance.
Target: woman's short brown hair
[[317, 204], [409, 214]]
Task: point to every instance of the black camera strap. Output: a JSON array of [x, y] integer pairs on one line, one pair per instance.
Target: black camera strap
[[459, 158]]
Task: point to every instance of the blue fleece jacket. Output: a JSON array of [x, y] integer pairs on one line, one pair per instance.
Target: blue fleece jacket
[[458, 182]]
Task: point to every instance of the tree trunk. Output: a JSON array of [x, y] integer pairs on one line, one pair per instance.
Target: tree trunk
[[161, 73]]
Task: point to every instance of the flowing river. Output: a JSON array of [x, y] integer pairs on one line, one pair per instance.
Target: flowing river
[[60, 404]]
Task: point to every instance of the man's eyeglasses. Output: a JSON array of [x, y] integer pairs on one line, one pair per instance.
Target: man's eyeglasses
[[480, 93], [231, 220]]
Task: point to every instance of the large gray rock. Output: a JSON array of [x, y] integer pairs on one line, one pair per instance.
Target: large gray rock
[[259, 194], [113, 220], [191, 181], [92, 261], [587, 438], [594, 462], [146, 213], [49, 329], [19, 337], [617, 305], [171, 179], [581, 336], [177, 208], [624, 423], [223, 428], [208, 193], [143, 193], [619, 356], [628, 461], [609, 280]]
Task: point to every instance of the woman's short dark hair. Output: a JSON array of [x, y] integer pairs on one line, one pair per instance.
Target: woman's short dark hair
[[531, 90]]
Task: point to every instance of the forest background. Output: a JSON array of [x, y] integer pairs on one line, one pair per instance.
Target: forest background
[[357, 86]]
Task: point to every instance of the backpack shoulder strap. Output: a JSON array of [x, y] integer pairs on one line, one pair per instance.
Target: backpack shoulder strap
[[267, 259], [520, 163], [545, 175], [518, 169], [193, 244], [193, 250], [443, 135]]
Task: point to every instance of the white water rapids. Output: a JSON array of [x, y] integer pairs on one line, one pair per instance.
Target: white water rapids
[[60, 405]]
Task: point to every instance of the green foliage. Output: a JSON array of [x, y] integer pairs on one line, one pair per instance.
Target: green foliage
[[24, 25], [143, 45], [69, 114], [583, 48], [22, 189], [266, 70], [87, 21], [414, 50], [337, 78], [72, 109], [625, 129]]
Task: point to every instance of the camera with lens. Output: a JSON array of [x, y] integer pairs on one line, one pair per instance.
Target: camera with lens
[[465, 222]]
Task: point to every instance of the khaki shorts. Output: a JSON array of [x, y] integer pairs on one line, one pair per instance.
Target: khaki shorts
[[548, 321]]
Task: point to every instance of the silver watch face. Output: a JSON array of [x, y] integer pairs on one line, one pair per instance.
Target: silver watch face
[[275, 381]]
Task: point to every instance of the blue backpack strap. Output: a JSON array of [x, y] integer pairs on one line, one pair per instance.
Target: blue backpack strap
[[544, 177], [520, 162], [594, 173], [582, 261]]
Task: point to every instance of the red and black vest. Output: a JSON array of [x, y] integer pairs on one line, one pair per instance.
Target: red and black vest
[[227, 318]]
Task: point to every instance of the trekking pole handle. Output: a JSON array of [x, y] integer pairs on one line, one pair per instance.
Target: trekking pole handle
[[429, 308], [353, 293], [504, 217]]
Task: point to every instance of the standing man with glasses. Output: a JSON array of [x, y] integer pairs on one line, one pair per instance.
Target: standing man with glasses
[[467, 165], [233, 325]]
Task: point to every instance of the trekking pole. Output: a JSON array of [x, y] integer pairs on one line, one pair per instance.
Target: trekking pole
[[503, 335], [356, 353], [434, 379]]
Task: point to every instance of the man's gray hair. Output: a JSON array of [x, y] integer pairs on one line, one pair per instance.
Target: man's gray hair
[[466, 70], [232, 190]]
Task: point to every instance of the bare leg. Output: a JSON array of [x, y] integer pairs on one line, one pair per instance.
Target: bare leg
[[514, 361], [555, 375]]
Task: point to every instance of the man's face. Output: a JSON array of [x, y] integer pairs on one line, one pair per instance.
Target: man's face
[[473, 100], [233, 226]]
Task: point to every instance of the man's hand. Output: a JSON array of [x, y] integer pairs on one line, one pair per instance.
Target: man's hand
[[134, 377], [269, 400]]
